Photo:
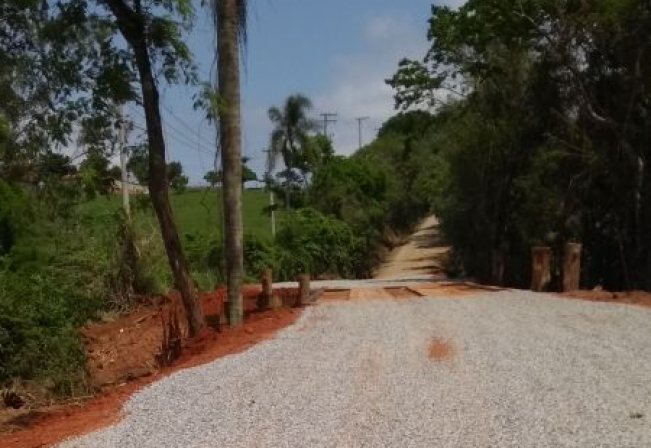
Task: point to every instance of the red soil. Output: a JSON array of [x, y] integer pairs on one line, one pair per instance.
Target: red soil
[[121, 360], [439, 349], [640, 298]]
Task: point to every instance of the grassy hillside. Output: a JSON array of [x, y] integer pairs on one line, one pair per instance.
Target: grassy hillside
[[197, 211]]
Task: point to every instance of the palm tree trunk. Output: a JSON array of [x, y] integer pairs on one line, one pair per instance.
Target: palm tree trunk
[[130, 25], [231, 150]]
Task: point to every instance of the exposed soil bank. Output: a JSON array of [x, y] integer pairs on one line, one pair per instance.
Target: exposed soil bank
[[121, 357]]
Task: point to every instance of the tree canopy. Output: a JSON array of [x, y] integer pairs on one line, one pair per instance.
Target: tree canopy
[[546, 136]]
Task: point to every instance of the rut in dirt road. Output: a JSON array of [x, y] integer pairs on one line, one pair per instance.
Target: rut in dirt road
[[499, 369], [423, 254]]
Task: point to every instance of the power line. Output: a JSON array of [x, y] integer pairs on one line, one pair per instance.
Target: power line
[[328, 118], [186, 136], [187, 126], [183, 134], [179, 139], [199, 143]]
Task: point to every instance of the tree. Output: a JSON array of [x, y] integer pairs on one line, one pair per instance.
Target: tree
[[138, 163], [317, 151], [290, 135], [151, 38], [248, 175], [549, 139], [60, 78], [213, 177], [230, 23], [175, 176], [97, 176]]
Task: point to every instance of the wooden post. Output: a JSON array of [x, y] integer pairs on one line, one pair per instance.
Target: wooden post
[[223, 317], [497, 267], [303, 290], [571, 267], [541, 268], [266, 279]]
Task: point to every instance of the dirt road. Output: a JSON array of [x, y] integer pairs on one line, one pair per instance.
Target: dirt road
[[423, 254]]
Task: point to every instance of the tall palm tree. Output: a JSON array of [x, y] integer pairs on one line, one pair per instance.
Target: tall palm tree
[[230, 17], [290, 134]]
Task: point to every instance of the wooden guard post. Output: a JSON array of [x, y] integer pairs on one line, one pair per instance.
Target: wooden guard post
[[266, 280], [303, 290], [541, 268], [571, 267]]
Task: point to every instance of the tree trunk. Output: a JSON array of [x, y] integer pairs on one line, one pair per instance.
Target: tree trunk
[[497, 267], [158, 191], [571, 267], [231, 149], [132, 27], [541, 268]]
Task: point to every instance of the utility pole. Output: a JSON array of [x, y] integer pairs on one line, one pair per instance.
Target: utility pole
[[272, 202], [360, 120], [272, 206], [328, 118], [122, 140]]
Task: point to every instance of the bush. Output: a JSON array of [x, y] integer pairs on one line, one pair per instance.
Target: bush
[[62, 270], [309, 241], [13, 214], [258, 255], [39, 316], [205, 260]]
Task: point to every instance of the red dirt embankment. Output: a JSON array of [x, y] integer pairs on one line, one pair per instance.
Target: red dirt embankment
[[122, 360]]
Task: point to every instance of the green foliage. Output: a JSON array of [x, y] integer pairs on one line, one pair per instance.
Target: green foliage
[[39, 316], [213, 177], [175, 176], [248, 175], [205, 259], [138, 163], [52, 280], [351, 189], [291, 130], [97, 177], [13, 216], [258, 255], [61, 268], [311, 242], [63, 70], [544, 138]]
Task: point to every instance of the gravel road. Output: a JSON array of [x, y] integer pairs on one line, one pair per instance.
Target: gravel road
[[524, 370]]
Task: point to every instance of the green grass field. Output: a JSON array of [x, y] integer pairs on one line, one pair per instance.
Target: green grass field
[[197, 211]]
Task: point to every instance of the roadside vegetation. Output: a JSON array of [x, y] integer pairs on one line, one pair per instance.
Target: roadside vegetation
[[540, 135]]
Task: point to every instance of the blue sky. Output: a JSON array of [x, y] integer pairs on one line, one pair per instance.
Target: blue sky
[[337, 52]]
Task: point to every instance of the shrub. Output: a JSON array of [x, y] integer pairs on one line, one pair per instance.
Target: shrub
[[39, 316], [309, 241], [258, 255]]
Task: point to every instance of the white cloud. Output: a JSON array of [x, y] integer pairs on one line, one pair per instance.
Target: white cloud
[[385, 28], [452, 3], [358, 87]]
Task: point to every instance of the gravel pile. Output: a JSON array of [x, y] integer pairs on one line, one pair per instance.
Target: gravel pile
[[524, 370]]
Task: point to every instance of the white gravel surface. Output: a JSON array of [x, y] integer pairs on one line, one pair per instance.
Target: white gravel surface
[[527, 371]]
